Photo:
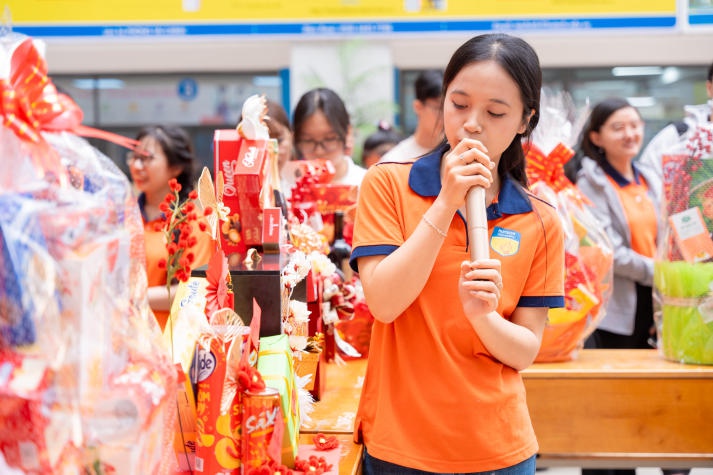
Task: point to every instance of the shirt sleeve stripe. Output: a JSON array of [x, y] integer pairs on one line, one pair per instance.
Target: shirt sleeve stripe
[[551, 302], [365, 251]]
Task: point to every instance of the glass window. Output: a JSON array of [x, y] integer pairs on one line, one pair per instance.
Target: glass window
[[200, 103]]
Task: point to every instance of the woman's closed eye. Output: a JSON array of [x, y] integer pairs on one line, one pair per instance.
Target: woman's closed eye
[[459, 106]]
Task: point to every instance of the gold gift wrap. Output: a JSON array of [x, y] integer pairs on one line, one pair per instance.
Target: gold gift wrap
[[306, 364]]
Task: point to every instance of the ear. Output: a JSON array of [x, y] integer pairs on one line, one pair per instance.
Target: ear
[[175, 170], [709, 89], [417, 107], [526, 122], [595, 138]]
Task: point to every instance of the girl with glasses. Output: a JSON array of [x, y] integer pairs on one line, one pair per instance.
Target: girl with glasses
[[164, 152], [322, 130]]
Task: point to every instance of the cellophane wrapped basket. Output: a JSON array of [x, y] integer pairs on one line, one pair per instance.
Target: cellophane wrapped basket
[[588, 258], [588, 251], [87, 386], [683, 271]]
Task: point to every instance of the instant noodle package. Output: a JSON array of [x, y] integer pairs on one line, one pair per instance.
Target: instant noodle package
[[683, 271]]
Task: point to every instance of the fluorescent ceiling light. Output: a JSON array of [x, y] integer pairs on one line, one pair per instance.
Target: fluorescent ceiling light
[[637, 71], [644, 101], [101, 83]]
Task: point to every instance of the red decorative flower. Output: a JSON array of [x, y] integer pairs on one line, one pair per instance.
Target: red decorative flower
[[323, 442], [177, 226], [313, 466], [249, 378], [218, 292], [270, 468]]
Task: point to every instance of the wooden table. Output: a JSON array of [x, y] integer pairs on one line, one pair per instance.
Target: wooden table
[[622, 408], [335, 411], [350, 456], [605, 409]]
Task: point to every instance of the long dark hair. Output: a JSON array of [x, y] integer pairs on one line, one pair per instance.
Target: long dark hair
[[597, 118], [521, 63], [176, 145], [329, 103]]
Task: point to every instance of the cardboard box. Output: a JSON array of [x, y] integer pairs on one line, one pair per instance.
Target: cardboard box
[[273, 230], [262, 283], [226, 148], [692, 235], [251, 173]]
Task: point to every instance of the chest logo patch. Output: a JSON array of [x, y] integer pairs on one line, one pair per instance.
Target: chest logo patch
[[505, 242]]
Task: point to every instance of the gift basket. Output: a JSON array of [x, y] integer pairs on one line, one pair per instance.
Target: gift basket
[[683, 271], [89, 386], [588, 252]]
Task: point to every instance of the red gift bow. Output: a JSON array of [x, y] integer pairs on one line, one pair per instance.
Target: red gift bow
[[30, 104], [549, 168]]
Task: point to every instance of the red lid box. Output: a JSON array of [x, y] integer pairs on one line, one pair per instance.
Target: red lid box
[[245, 165]]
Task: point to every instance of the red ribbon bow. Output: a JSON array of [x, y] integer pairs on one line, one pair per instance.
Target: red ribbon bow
[[30, 104]]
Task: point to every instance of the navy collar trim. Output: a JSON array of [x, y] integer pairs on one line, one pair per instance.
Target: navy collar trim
[[141, 201], [425, 180], [618, 177]]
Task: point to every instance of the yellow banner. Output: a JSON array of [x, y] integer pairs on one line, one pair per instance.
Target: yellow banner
[[38, 12]]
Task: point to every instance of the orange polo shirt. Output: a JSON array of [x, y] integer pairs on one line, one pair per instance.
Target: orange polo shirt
[[434, 398], [638, 208], [156, 250]]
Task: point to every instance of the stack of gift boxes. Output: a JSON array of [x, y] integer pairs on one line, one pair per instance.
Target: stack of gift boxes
[[277, 292]]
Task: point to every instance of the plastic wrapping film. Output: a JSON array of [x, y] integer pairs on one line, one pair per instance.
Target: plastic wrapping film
[[588, 251], [683, 271], [87, 384]]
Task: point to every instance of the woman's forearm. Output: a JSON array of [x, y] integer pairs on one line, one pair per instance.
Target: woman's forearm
[[513, 344], [391, 283]]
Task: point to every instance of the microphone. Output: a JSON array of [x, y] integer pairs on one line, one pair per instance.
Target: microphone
[[477, 223]]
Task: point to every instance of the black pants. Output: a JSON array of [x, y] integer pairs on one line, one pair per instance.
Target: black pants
[[644, 330]]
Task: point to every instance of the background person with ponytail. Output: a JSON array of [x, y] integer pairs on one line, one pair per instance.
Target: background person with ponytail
[[443, 391]]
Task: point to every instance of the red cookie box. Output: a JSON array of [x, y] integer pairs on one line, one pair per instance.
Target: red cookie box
[[226, 147], [245, 165]]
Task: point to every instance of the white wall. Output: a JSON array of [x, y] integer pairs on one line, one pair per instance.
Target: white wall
[[600, 48]]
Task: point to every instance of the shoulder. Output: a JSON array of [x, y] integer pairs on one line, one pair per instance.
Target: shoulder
[[355, 174], [389, 171], [543, 208], [405, 150]]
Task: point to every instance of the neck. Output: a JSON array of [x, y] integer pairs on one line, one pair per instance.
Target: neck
[[427, 138], [341, 166], [153, 200], [623, 166]]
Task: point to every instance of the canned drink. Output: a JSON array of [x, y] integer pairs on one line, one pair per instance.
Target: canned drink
[[260, 411]]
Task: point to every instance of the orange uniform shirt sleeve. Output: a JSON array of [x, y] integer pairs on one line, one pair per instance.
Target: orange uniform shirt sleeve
[[546, 277]]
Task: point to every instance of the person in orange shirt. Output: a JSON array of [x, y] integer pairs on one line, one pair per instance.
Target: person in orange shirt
[[163, 152], [625, 196], [442, 391]]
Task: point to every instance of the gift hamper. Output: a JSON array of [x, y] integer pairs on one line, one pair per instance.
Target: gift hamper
[[88, 386], [683, 271], [588, 252]]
